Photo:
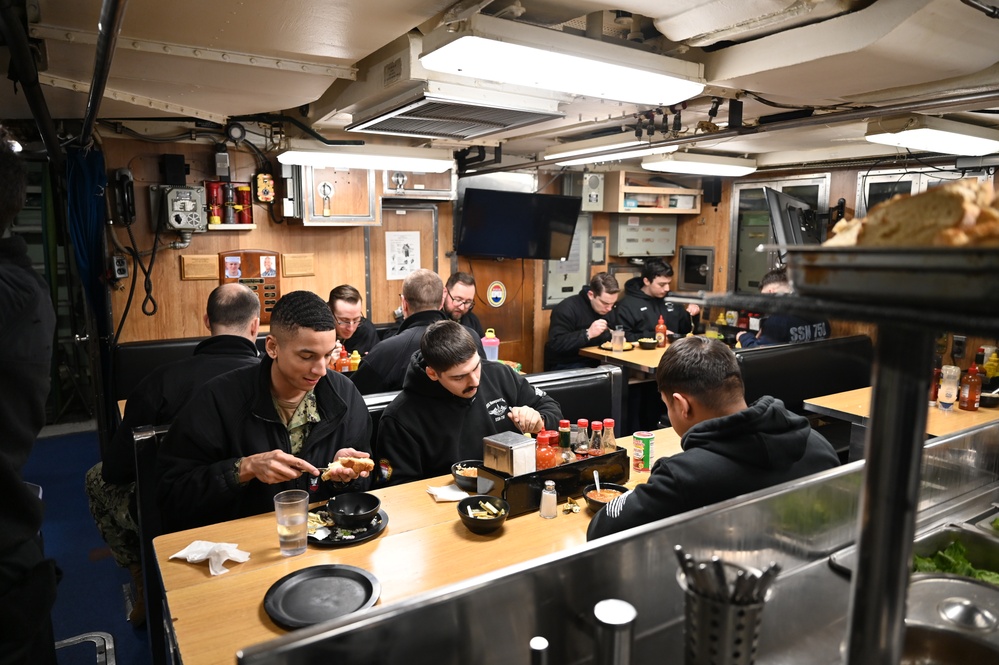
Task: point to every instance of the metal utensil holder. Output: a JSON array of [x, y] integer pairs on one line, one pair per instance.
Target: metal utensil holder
[[719, 633], [718, 630]]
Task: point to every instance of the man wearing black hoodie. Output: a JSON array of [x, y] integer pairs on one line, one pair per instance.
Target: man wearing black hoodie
[[645, 301], [581, 320], [384, 368], [451, 400], [729, 448]]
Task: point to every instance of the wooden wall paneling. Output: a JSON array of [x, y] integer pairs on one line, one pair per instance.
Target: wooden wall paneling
[[709, 228], [385, 293], [514, 320], [339, 252]]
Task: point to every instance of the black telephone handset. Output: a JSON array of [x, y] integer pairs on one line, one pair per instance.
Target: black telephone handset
[[125, 192]]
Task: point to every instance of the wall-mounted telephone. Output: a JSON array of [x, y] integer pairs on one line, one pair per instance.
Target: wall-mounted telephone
[[124, 196]]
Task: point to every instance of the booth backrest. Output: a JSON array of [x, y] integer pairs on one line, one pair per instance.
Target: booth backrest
[[795, 372], [134, 361], [147, 441], [592, 392]]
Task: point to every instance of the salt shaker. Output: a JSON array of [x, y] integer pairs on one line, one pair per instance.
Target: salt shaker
[[549, 501]]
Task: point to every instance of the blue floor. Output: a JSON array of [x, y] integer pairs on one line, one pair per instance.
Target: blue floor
[[91, 596]]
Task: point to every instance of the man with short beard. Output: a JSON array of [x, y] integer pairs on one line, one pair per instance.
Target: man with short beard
[[459, 299], [451, 399]]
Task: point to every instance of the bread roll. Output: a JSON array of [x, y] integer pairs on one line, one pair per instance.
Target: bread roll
[[357, 464], [957, 214]]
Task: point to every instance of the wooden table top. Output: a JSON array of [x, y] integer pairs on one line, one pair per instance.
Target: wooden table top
[[855, 406], [424, 546], [638, 359]]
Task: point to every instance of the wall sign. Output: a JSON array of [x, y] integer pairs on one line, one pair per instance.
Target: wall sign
[[402, 253], [496, 294]]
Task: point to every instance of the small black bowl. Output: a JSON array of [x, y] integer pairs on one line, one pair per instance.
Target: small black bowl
[[672, 337], [467, 483], [353, 510], [594, 504], [648, 344], [989, 401], [483, 525]]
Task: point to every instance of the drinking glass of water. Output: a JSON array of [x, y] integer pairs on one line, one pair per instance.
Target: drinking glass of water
[[291, 508]]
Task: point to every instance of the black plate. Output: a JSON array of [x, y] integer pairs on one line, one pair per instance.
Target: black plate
[[381, 520], [320, 593]]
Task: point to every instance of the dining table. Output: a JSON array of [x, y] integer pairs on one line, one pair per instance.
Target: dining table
[[636, 359], [854, 406], [424, 546]]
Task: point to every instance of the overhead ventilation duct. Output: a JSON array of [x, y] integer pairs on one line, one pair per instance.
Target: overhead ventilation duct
[[395, 95]]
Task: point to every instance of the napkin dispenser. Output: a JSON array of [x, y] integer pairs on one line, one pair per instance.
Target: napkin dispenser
[[509, 452]]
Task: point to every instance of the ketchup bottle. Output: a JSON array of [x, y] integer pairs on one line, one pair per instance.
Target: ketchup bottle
[[660, 333]]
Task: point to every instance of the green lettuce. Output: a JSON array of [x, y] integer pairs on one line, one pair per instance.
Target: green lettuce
[[953, 559]]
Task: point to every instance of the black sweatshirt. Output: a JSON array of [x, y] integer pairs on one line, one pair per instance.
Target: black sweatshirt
[[639, 313], [722, 458], [567, 331], [426, 428]]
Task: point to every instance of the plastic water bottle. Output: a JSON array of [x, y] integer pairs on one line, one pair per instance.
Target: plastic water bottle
[[491, 344]]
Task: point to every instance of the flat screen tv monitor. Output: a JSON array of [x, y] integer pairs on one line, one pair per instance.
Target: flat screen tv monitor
[[793, 221], [515, 225]]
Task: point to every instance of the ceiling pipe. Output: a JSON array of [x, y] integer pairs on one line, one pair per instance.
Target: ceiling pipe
[[26, 72], [109, 25], [983, 98]]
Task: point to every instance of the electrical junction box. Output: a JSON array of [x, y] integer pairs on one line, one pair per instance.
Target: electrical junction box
[[643, 235], [179, 208]]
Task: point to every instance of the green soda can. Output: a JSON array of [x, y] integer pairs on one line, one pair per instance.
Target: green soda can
[[643, 450]]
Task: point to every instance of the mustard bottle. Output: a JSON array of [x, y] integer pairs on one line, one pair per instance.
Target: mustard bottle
[[355, 360]]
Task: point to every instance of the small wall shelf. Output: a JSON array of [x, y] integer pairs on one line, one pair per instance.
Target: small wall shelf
[[630, 192], [231, 227]]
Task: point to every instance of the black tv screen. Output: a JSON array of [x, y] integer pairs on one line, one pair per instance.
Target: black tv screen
[[515, 225]]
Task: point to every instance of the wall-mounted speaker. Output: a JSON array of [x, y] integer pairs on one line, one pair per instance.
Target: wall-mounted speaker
[[712, 191], [593, 191]]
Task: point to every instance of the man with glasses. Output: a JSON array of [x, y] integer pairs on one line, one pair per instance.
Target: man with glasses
[[729, 448], [584, 319], [645, 300], [352, 329], [459, 299]]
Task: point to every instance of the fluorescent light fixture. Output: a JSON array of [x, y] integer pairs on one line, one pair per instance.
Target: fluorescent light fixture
[[923, 132], [375, 157], [495, 49], [699, 164], [625, 146]]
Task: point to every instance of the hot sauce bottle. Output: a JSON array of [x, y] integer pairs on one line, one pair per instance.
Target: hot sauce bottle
[[971, 390], [661, 333], [343, 362]]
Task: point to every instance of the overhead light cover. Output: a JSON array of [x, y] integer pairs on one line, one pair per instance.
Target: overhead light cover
[[624, 146], [374, 157], [693, 163], [923, 132], [500, 50]]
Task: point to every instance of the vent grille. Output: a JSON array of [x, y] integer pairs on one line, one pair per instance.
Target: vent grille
[[449, 120]]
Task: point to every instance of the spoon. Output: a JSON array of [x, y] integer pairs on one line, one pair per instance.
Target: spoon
[[596, 479]]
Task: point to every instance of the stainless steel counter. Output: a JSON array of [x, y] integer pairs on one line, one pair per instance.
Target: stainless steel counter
[[491, 619]]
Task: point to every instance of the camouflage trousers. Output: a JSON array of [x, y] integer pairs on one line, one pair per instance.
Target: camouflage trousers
[[110, 506]]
